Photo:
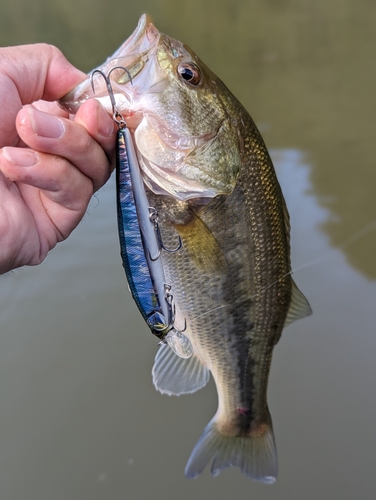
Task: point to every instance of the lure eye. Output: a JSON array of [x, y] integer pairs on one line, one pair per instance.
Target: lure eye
[[190, 73]]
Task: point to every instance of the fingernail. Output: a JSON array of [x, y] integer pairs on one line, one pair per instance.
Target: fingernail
[[20, 157], [46, 125], [105, 123]]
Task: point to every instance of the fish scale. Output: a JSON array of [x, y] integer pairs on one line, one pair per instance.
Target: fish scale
[[233, 322], [236, 342]]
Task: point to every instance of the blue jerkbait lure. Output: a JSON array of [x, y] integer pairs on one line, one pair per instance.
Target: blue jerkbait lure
[[140, 246]]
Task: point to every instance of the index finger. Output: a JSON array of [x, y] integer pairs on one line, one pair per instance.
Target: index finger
[[29, 73], [39, 71]]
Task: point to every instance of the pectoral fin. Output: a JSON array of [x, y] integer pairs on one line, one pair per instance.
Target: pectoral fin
[[201, 246]]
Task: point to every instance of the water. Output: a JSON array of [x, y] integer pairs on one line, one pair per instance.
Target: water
[[79, 417]]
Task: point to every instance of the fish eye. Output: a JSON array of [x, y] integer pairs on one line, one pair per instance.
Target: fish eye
[[190, 73]]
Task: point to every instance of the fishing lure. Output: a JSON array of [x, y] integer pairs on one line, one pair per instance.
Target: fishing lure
[[141, 242]]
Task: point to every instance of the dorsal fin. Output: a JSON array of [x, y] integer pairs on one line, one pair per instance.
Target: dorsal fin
[[299, 306], [173, 375]]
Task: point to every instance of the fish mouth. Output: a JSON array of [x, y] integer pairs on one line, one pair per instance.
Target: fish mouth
[[138, 76], [125, 65]]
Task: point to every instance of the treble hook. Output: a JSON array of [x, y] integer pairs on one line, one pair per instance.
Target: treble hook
[[154, 219], [153, 259], [117, 116], [169, 298]]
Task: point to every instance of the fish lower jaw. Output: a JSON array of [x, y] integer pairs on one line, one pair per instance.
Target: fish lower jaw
[[132, 119]]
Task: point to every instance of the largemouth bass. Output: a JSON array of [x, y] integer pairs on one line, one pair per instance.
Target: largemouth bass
[[208, 174]]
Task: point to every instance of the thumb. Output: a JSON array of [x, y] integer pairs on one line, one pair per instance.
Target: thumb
[[39, 71]]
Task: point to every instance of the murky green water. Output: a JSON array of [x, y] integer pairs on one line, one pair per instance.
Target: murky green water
[[79, 417]]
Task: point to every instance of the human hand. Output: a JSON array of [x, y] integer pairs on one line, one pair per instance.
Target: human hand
[[49, 165]]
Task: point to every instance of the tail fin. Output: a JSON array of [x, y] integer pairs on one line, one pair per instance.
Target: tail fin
[[256, 455]]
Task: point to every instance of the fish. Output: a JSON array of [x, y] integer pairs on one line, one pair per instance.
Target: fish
[[208, 174]]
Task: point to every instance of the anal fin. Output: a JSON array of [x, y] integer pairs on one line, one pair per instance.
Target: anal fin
[[174, 375]]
